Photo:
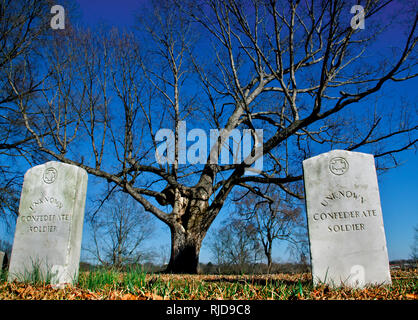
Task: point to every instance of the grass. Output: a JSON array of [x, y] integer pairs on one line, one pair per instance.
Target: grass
[[135, 284], [37, 273]]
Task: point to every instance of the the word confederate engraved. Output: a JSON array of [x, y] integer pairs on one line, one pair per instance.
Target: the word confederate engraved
[[346, 234], [50, 222]]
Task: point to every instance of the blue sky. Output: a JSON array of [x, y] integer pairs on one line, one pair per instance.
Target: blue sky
[[398, 187], [398, 196]]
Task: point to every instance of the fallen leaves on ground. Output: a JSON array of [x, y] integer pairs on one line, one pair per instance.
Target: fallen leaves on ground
[[219, 287]]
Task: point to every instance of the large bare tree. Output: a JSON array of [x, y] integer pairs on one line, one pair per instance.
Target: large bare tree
[[295, 69]]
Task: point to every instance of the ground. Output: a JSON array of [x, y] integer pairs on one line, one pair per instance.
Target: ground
[[137, 285]]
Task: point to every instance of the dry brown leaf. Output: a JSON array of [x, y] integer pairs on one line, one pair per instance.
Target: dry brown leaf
[[128, 296], [153, 296]]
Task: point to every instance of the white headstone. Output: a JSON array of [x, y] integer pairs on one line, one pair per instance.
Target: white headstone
[[2, 254], [346, 234], [50, 223]]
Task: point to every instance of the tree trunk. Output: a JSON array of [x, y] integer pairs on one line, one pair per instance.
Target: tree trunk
[[269, 263], [185, 249], [267, 250], [191, 220]]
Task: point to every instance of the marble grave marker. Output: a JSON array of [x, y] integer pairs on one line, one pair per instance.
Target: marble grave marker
[[345, 223], [50, 223], [2, 255]]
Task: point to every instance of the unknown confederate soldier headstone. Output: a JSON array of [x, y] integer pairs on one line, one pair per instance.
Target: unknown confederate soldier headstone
[[50, 223], [2, 259], [346, 234]]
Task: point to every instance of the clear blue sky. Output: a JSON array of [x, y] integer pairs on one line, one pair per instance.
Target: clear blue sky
[[398, 187]]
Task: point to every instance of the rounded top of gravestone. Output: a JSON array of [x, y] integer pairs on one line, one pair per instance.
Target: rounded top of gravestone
[[337, 164], [50, 170], [340, 158]]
